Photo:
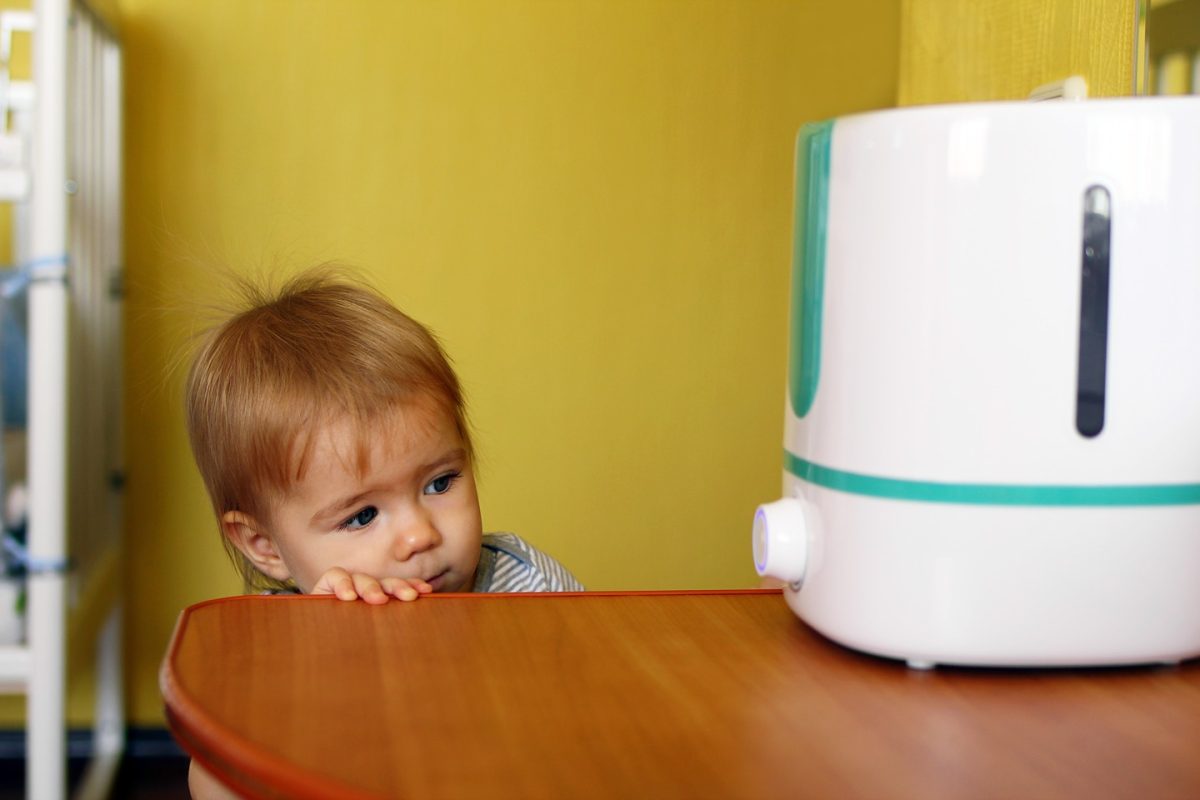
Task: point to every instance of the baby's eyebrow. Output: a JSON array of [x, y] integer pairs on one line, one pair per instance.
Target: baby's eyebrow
[[337, 507], [454, 456]]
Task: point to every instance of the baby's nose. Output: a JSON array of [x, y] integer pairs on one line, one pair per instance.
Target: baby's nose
[[417, 537]]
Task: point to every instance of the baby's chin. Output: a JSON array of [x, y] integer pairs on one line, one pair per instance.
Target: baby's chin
[[449, 581]]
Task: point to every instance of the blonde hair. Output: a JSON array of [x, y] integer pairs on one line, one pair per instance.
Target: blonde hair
[[320, 349]]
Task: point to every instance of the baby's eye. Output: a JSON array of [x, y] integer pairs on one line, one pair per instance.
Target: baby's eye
[[442, 483], [362, 519]]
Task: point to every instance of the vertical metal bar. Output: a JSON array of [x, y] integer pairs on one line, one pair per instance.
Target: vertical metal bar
[[114, 421], [82, 543], [75, 219], [99, 372], [46, 762], [114, 283], [109, 730]]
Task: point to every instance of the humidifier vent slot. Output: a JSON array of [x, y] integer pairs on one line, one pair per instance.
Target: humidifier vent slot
[[1093, 311]]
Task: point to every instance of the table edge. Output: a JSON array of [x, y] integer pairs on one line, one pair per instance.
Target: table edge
[[256, 772], [244, 766]]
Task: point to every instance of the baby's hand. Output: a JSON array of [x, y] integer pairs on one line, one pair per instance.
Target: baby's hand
[[351, 586]]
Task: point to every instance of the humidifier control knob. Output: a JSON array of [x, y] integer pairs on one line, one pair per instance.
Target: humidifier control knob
[[781, 540]]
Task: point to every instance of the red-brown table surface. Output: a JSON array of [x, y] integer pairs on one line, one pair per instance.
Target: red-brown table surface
[[689, 694]]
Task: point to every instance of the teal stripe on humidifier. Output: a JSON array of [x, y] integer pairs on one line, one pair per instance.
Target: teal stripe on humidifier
[[989, 494], [808, 262]]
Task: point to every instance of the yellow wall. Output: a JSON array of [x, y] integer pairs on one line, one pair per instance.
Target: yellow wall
[[590, 201], [955, 51], [18, 70]]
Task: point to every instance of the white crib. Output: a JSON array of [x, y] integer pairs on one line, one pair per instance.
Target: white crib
[[60, 165]]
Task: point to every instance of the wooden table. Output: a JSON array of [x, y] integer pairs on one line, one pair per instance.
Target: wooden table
[[701, 694]]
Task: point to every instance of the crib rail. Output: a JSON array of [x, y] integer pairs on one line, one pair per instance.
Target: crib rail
[[67, 233]]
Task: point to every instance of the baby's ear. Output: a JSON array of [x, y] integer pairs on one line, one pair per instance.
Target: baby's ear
[[253, 541]]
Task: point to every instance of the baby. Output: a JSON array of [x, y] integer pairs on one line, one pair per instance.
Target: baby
[[332, 437]]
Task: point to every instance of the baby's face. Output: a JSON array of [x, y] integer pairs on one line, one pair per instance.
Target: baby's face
[[414, 513]]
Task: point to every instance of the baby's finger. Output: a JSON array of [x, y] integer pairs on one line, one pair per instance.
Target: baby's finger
[[336, 582], [402, 589], [369, 589]]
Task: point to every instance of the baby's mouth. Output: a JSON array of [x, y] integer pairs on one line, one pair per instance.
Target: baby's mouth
[[439, 580]]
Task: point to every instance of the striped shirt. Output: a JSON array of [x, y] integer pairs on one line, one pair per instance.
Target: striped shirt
[[507, 563]]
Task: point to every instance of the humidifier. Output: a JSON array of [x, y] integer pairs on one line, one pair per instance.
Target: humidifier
[[992, 426]]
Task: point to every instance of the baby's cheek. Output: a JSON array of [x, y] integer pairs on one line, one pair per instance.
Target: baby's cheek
[[308, 576], [305, 586]]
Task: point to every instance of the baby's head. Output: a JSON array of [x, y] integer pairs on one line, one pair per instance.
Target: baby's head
[[331, 431]]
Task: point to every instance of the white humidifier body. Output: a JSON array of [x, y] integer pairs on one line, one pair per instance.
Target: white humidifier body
[[992, 438]]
